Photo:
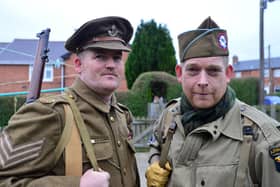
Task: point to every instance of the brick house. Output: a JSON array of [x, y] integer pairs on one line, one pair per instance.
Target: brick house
[[16, 64], [250, 68]]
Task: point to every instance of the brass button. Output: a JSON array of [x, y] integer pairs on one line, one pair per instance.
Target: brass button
[[112, 119], [119, 143]]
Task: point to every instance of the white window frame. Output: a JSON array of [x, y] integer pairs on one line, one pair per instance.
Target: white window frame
[[276, 73], [47, 69], [238, 74], [266, 72]]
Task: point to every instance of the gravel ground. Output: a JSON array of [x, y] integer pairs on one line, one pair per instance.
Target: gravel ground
[[142, 161]]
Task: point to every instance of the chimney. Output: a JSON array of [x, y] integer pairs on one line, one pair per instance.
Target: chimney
[[234, 59]]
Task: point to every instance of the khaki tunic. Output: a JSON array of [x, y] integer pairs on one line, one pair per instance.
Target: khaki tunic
[[210, 155], [28, 142]]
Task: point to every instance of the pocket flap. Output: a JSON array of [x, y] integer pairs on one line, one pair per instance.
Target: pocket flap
[[103, 149]]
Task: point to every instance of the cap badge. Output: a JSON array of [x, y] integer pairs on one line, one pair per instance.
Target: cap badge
[[113, 31], [222, 41]]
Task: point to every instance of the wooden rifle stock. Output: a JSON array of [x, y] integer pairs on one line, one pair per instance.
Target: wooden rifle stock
[[38, 67]]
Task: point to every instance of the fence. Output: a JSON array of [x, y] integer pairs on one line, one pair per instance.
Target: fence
[[142, 129]]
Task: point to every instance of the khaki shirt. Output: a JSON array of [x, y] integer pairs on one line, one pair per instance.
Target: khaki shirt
[[27, 144], [209, 155]]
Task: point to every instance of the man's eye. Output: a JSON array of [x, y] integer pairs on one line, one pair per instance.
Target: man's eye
[[213, 71], [117, 58], [192, 70], [99, 56]]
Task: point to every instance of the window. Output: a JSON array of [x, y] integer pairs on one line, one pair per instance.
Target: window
[[266, 73], [238, 74], [48, 73], [276, 73]]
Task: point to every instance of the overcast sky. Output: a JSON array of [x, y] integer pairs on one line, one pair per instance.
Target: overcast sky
[[25, 18]]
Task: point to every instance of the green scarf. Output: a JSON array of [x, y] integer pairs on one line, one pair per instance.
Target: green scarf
[[193, 118]]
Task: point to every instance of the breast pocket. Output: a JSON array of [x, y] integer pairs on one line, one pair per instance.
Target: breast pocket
[[222, 175], [211, 176], [103, 149]]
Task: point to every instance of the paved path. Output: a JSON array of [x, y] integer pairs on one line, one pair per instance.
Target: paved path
[[142, 161]]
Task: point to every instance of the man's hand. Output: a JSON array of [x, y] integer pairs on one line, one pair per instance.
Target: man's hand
[[157, 176], [95, 179]]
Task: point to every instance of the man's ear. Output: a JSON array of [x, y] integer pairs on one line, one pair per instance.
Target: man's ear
[[78, 64], [178, 70], [229, 72]]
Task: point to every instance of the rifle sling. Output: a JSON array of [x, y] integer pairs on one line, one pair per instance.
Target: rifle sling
[[73, 149], [166, 145], [83, 132]]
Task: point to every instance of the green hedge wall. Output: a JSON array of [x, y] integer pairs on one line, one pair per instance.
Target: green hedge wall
[[142, 92], [246, 89], [8, 105]]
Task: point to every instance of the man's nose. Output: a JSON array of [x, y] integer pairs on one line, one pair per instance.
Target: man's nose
[[203, 79], [110, 62]]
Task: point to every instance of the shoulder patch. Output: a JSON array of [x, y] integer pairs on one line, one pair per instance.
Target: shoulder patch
[[274, 152], [11, 155]]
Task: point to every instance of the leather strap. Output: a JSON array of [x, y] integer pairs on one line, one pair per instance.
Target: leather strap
[[83, 132], [73, 149], [166, 145]]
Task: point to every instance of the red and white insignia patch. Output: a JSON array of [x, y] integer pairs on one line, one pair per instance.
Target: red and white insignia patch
[[222, 41]]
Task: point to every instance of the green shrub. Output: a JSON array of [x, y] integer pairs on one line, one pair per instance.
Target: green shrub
[[246, 89], [8, 105], [145, 87]]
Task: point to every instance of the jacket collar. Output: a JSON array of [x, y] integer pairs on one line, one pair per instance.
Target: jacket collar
[[230, 125], [91, 97]]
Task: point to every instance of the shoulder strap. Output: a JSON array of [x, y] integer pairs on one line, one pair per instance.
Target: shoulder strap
[[244, 153], [170, 128], [70, 141], [73, 149], [166, 145], [83, 132]]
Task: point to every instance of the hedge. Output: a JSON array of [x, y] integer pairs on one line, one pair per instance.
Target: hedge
[[8, 105], [145, 87], [246, 89]]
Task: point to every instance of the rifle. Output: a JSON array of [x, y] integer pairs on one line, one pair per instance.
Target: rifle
[[38, 67]]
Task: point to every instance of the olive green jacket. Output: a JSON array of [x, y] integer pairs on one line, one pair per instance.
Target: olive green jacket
[[210, 155], [27, 144]]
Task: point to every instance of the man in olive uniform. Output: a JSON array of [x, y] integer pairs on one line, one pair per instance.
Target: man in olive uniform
[[44, 138], [208, 137]]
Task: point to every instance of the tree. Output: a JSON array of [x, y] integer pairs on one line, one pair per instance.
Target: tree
[[152, 50]]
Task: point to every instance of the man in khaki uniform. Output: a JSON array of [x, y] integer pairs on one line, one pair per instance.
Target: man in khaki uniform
[[44, 138], [208, 137]]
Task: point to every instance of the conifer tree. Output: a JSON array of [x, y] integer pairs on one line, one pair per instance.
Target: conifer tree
[[152, 50]]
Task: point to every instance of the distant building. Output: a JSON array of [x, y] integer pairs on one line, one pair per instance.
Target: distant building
[[16, 65], [250, 68]]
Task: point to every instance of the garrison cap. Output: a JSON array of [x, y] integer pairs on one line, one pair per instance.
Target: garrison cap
[[206, 41], [106, 33]]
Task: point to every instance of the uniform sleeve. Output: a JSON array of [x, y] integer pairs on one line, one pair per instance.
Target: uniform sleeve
[[27, 148], [266, 159], [156, 138]]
